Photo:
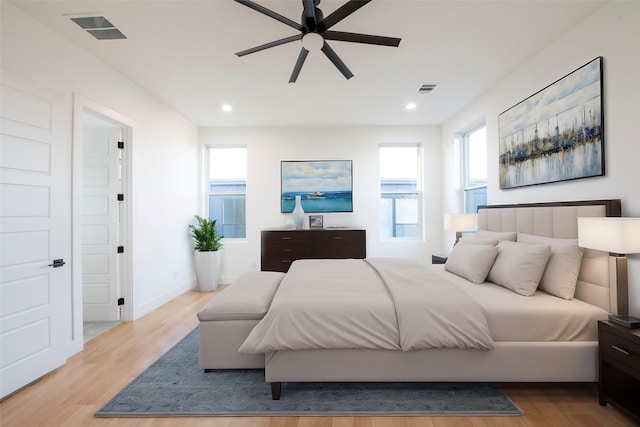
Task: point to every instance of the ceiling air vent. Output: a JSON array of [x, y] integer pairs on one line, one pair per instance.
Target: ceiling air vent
[[427, 88], [99, 27]]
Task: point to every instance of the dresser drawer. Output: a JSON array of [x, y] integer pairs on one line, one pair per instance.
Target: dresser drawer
[[339, 244], [621, 349]]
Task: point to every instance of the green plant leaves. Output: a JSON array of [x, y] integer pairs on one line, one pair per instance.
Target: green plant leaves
[[206, 235]]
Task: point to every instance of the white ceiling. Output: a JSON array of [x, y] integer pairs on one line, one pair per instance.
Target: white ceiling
[[183, 52]]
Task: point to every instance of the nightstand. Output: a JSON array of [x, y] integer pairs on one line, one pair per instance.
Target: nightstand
[[619, 355], [438, 259]]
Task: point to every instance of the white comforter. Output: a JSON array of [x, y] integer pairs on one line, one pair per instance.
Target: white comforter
[[389, 304]]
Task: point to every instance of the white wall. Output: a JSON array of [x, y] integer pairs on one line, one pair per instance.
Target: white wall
[[266, 147], [613, 32], [164, 152]]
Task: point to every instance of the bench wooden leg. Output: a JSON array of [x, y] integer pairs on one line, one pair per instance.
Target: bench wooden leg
[[276, 389]]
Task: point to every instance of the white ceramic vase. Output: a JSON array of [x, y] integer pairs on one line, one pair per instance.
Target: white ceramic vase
[[207, 270], [298, 214]]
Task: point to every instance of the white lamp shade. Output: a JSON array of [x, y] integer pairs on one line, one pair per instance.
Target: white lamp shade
[[460, 222], [616, 235]]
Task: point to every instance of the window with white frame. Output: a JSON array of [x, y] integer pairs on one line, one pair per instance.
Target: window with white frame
[[475, 168], [227, 189], [400, 191]]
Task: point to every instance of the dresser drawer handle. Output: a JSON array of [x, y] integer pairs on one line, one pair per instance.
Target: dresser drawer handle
[[621, 350], [338, 237], [286, 238]]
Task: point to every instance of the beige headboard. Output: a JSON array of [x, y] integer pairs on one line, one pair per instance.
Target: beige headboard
[[597, 282]]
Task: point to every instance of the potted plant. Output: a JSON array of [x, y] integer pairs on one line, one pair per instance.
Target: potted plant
[[208, 244]]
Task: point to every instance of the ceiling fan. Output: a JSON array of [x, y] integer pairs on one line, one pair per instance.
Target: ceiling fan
[[315, 31]]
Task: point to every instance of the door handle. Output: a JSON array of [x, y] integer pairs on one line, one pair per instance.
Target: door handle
[[57, 263]]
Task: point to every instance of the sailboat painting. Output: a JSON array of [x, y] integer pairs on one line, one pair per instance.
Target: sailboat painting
[[323, 185], [557, 134]]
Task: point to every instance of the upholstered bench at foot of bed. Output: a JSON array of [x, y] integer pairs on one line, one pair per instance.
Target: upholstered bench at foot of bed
[[228, 318]]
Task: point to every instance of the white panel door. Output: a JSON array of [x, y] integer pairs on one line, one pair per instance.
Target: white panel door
[[35, 215], [100, 287]]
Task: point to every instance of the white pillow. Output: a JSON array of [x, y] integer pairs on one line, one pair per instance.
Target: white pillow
[[475, 240], [472, 262], [497, 235], [561, 275], [519, 266]]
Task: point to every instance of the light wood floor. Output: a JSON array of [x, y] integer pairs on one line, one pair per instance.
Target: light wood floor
[[70, 395]]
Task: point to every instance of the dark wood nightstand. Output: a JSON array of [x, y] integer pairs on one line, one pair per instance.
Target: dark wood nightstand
[[619, 355], [438, 259]]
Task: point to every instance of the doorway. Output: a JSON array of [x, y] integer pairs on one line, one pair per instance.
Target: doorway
[[103, 222]]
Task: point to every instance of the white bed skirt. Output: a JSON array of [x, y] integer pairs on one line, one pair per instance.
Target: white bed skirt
[[508, 362]]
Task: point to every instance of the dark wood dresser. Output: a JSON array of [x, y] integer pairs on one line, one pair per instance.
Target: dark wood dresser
[[279, 248]]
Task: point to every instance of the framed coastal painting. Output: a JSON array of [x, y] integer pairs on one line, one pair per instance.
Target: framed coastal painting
[[323, 185], [556, 134]]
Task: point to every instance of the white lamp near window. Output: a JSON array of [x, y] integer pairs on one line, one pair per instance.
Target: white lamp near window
[[459, 223], [616, 235]]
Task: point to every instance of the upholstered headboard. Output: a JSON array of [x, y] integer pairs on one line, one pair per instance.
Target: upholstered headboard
[[597, 282]]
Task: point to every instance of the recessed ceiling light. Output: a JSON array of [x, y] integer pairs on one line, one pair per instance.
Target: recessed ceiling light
[[411, 106], [226, 107]]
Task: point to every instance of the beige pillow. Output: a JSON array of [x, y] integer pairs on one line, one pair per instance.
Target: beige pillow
[[497, 235], [472, 262], [561, 275], [475, 240], [519, 266]]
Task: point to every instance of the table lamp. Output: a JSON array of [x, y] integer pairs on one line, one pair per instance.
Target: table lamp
[[459, 223], [616, 235]]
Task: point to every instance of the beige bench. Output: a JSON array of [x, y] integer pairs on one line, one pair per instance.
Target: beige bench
[[225, 322]]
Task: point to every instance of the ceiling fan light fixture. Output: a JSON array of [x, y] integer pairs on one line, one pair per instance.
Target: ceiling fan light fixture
[[312, 41], [314, 30]]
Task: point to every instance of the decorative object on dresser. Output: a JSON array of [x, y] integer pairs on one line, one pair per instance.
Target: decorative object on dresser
[[298, 214], [619, 355], [323, 185], [315, 221], [460, 223], [208, 245], [618, 236], [279, 248], [556, 134]]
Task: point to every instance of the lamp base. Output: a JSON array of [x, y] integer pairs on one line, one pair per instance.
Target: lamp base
[[618, 277], [458, 237]]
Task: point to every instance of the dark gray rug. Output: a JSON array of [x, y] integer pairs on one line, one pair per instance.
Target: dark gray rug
[[176, 386]]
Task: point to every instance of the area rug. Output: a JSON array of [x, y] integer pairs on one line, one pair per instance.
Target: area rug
[[176, 386]]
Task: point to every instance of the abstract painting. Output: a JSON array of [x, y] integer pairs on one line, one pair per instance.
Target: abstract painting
[[556, 134]]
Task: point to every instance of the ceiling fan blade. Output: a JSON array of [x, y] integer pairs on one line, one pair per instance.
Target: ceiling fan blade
[[299, 63], [361, 38], [341, 13], [268, 45], [309, 14], [271, 14], [333, 57]]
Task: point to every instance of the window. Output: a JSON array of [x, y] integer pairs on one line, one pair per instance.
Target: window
[[227, 189], [475, 169], [400, 195]]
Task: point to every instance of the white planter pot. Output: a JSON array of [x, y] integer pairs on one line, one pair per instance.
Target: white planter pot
[[207, 270]]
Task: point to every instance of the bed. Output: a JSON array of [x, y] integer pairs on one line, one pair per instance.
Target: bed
[[536, 338]]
